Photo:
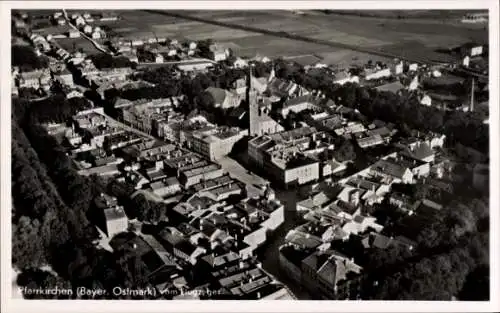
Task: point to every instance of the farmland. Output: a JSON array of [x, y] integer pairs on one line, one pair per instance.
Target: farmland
[[411, 37]]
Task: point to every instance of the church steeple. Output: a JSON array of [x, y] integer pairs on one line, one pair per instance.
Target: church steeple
[[253, 106]]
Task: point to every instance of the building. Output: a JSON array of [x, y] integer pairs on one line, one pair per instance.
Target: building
[[142, 114], [288, 156], [65, 77], [327, 275], [258, 109], [298, 104], [194, 175], [87, 29], [473, 18], [34, 79], [217, 53], [392, 171], [343, 77], [115, 219], [96, 35], [212, 142], [372, 74], [224, 99], [72, 33], [195, 65]]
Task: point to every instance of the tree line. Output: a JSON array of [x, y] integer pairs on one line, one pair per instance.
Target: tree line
[[50, 223]]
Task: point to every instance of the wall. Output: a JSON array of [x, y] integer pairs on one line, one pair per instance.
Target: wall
[[302, 174], [291, 270], [116, 226], [276, 219], [256, 238]]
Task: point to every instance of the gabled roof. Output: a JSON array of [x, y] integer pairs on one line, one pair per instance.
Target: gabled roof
[[419, 151], [218, 94], [390, 168]]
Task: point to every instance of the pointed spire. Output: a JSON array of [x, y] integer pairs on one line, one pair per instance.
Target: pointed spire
[[273, 73]]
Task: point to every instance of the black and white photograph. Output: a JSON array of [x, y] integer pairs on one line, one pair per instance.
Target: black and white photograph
[[216, 153]]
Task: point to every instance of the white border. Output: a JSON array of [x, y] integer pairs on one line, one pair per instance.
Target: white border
[[12, 305]]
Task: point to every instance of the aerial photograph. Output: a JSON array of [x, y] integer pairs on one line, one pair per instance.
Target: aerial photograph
[[250, 154]]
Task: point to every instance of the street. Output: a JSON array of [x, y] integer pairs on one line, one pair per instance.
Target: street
[[270, 251]]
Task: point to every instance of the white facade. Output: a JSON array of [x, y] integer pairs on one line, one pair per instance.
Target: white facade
[[378, 74], [476, 51], [302, 174]]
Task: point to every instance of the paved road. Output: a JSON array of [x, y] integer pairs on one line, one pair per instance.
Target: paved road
[[270, 252]]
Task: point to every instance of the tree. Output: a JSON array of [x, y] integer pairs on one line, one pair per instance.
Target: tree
[[34, 279], [26, 59], [345, 152], [477, 285], [27, 245]]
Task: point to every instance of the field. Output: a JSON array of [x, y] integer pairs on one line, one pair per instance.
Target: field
[[416, 36]]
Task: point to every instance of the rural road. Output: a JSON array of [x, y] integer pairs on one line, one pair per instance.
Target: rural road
[[96, 44], [292, 36]]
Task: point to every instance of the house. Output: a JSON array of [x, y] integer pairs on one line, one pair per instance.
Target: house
[[413, 67], [298, 104], [318, 200], [393, 171], [420, 151], [116, 221], [329, 275], [34, 79], [240, 63], [376, 73], [64, 77], [369, 141], [188, 252], [166, 188], [159, 58], [343, 77], [79, 20], [96, 35], [217, 53], [61, 21], [87, 29], [360, 224], [379, 241]]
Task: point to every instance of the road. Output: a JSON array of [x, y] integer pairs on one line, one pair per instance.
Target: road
[[95, 43], [269, 253]]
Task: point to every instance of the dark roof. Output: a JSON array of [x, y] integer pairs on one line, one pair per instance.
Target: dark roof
[[186, 247], [389, 168], [419, 151]]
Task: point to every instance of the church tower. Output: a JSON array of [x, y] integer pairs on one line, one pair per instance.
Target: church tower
[[253, 105]]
